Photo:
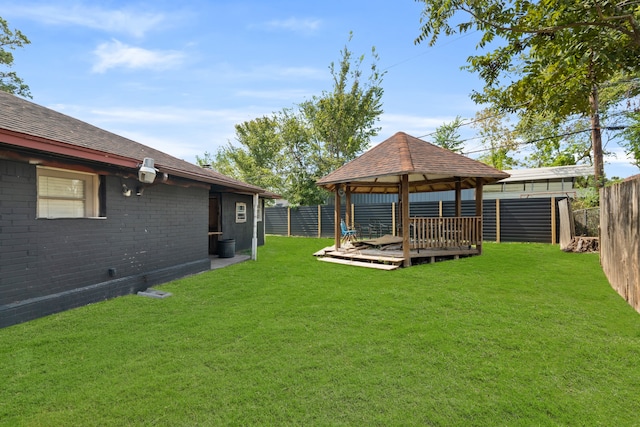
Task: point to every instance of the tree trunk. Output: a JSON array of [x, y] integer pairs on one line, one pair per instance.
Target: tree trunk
[[596, 140], [596, 134]]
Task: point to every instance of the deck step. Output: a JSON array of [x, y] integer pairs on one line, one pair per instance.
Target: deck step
[[374, 258], [359, 263], [322, 252]]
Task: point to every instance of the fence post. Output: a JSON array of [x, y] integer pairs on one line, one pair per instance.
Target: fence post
[[288, 222], [497, 220], [553, 221], [319, 221]]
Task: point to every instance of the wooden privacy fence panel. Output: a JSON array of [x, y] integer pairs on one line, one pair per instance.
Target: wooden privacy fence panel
[[620, 239], [430, 232], [566, 225]]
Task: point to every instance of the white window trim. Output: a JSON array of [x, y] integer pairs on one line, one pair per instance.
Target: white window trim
[[241, 212], [92, 183]]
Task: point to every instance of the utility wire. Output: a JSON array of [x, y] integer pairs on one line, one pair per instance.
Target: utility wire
[[533, 141], [428, 50]]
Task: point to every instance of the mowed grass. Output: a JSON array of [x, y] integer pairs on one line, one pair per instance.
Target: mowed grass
[[522, 335]]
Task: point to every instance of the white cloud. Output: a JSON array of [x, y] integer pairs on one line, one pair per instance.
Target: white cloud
[[124, 21], [167, 115], [413, 125], [297, 25], [617, 154], [173, 146], [116, 54], [270, 72], [285, 94]]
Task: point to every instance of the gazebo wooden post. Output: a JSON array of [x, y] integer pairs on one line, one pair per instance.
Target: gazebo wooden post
[[336, 218], [398, 218], [458, 209], [406, 249], [479, 184], [347, 211]]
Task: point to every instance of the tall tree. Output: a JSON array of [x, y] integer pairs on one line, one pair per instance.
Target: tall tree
[[553, 55], [448, 136], [10, 40], [498, 138], [555, 144], [258, 160], [290, 150], [343, 120]]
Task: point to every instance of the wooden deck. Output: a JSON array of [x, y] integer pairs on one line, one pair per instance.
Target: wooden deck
[[385, 253]]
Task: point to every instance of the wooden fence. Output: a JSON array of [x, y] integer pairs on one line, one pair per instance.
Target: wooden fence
[[620, 238]]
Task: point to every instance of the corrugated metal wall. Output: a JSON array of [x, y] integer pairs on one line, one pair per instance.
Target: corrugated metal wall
[[489, 225], [521, 220], [276, 221], [525, 220], [327, 213], [304, 221], [366, 214]]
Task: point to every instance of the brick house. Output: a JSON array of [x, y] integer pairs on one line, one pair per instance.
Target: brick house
[[83, 218]]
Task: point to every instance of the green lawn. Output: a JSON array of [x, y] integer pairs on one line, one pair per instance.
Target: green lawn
[[523, 335]]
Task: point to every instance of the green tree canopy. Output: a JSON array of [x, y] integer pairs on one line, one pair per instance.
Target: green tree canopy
[[555, 144], [498, 139], [448, 136], [290, 150], [10, 40], [343, 120], [544, 57]]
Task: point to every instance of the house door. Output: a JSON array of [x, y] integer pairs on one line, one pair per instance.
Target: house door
[[214, 223]]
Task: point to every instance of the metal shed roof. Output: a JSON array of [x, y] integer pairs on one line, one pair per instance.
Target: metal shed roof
[[555, 172]]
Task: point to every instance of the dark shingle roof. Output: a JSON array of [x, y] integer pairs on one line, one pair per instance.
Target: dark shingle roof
[[430, 168], [25, 118]]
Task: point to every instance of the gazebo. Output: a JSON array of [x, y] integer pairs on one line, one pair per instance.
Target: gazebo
[[404, 164]]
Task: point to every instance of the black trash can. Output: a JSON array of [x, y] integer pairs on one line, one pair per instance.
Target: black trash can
[[227, 248]]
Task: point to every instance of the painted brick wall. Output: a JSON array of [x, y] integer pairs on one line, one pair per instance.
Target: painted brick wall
[[51, 265]]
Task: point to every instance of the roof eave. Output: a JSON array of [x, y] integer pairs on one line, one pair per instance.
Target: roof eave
[[48, 146], [35, 143]]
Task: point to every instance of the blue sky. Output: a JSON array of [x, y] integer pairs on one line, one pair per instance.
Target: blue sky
[[178, 76]]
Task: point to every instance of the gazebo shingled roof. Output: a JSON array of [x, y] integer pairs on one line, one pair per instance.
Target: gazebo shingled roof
[[404, 164], [429, 167]]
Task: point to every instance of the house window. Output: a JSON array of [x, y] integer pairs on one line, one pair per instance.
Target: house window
[[260, 210], [241, 212], [67, 194]]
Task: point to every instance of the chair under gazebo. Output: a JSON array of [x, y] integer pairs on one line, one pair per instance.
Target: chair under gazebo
[[402, 165]]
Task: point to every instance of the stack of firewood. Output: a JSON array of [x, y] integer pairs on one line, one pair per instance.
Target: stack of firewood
[[582, 244]]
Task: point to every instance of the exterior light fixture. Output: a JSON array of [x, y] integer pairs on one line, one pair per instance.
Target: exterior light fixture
[[147, 171]]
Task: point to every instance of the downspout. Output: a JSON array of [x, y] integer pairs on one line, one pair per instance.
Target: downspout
[[254, 240]]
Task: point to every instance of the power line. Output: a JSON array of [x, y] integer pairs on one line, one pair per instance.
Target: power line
[[429, 49], [551, 137]]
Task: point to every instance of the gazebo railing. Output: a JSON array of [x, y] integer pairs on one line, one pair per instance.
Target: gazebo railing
[[445, 232]]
